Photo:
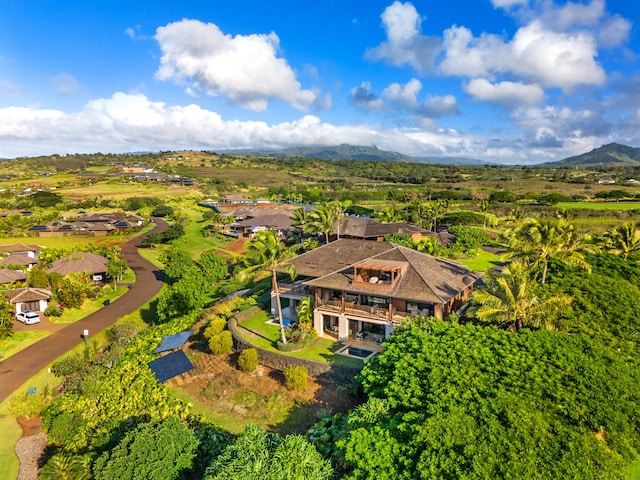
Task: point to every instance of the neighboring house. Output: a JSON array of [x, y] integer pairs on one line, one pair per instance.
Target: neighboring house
[[11, 276], [81, 262], [29, 299], [20, 259], [606, 181], [94, 224], [279, 222], [236, 199], [368, 229], [363, 289], [29, 250]]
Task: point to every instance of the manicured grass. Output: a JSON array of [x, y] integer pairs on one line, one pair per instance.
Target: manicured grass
[[484, 262], [88, 307], [193, 240], [322, 350], [634, 471], [612, 206], [19, 341]]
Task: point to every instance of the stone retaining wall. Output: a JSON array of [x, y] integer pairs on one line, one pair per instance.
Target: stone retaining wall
[[279, 361]]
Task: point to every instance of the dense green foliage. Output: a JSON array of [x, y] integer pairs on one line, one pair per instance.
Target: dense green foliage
[[157, 450], [221, 343], [259, 455], [6, 318], [473, 402]]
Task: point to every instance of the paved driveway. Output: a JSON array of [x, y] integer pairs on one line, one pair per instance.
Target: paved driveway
[[19, 368]]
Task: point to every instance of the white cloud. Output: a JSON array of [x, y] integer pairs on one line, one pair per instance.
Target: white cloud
[[563, 60], [132, 122], [508, 3], [406, 98], [65, 84], [243, 68], [614, 31], [504, 93], [405, 45]]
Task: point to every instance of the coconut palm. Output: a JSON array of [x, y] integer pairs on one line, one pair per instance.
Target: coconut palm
[[537, 241], [267, 252], [389, 215], [299, 218], [624, 240], [323, 219], [510, 299], [485, 207], [66, 466]]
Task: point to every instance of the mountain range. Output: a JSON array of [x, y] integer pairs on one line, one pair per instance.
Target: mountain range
[[610, 155], [352, 152]]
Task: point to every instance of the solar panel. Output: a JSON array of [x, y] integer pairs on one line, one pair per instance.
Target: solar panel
[[170, 366], [173, 341]]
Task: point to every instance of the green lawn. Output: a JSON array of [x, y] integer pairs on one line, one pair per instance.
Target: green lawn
[[600, 205], [484, 262], [193, 240], [322, 350], [89, 306], [228, 422], [19, 341]]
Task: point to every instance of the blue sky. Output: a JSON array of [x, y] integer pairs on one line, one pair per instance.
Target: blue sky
[[507, 81]]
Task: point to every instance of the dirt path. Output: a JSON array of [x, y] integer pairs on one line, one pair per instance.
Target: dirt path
[[19, 368]]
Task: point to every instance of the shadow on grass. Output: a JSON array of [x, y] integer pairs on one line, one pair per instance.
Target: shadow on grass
[[148, 314]]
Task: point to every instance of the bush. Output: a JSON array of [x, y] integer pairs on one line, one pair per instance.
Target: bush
[[67, 366], [53, 311], [122, 332], [248, 360], [296, 378], [28, 405], [215, 327], [221, 343]]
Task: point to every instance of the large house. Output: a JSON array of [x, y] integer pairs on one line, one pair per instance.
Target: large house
[[81, 262], [362, 289], [29, 298]]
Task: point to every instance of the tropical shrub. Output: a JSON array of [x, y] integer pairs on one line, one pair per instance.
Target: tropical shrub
[[248, 360], [215, 327], [296, 378], [221, 343]]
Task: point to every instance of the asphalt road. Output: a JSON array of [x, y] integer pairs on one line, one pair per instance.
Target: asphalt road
[[17, 369]]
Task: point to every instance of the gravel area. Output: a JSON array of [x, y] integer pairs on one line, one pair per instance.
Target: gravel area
[[29, 451]]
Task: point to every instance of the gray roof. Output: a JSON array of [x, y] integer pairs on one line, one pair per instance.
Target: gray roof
[[424, 279]]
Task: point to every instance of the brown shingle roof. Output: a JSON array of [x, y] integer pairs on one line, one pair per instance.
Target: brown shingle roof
[[28, 294], [276, 221], [20, 248], [18, 259], [360, 227], [425, 278], [79, 262], [10, 276]]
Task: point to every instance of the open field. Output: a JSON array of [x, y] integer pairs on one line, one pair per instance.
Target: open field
[[121, 190], [609, 206]]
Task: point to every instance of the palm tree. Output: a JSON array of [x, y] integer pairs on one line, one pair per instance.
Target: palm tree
[[305, 313], [323, 220], [624, 240], [267, 252], [437, 209], [510, 300], [389, 215], [537, 241], [485, 206], [66, 466], [299, 218]]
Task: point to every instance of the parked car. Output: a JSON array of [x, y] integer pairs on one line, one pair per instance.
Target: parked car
[[28, 318]]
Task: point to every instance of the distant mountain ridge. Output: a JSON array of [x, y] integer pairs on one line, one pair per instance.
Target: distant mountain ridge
[[353, 152], [612, 155]]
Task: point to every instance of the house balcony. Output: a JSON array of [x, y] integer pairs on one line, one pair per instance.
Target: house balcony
[[367, 312]]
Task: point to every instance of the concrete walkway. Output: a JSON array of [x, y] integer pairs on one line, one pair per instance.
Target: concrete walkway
[[17, 369]]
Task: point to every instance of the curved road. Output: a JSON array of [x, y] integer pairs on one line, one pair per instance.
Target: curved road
[[19, 368]]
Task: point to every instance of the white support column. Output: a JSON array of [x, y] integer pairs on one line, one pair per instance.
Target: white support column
[[343, 328], [388, 330], [318, 323]]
